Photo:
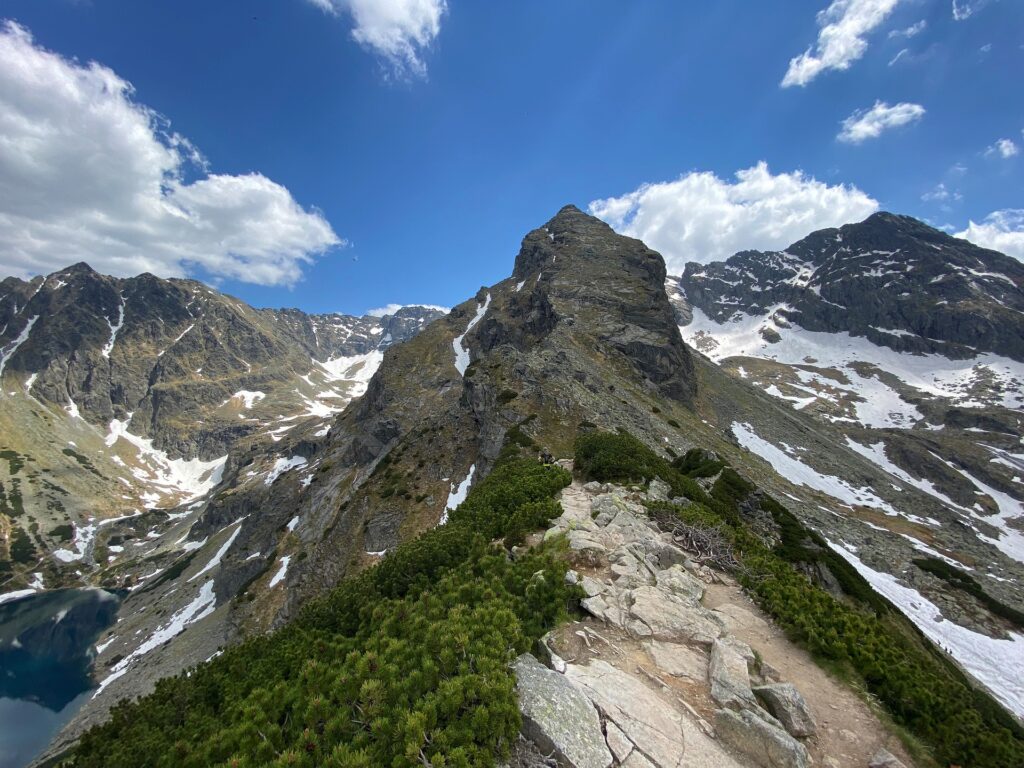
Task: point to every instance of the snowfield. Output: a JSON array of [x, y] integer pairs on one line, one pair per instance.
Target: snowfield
[[996, 664], [799, 473], [879, 405]]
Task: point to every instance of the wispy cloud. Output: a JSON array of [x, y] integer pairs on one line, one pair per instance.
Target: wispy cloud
[[903, 52], [871, 123], [941, 193], [912, 31], [702, 217], [964, 9], [399, 31], [841, 38], [87, 173]]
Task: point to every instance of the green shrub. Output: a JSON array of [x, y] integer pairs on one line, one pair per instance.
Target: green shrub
[[22, 549], [64, 532], [621, 458], [965, 582], [403, 665]]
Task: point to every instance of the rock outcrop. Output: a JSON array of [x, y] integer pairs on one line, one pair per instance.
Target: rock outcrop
[[558, 717], [646, 595]]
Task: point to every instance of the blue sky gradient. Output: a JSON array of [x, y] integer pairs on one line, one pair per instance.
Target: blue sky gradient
[[433, 180]]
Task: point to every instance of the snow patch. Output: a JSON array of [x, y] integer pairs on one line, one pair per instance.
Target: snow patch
[[461, 352], [215, 561], [279, 576], [457, 495], [6, 353], [114, 328], [201, 607], [281, 466], [193, 478], [996, 664], [799, 473]]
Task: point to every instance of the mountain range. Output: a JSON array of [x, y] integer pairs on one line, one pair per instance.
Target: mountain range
[[223, 465]]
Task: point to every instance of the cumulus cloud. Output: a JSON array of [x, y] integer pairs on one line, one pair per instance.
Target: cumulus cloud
[[89, 174], [399, 31], [701, 217], [1000, 230], [871, 123], [841, 38], [1004, 148], [390, 309]]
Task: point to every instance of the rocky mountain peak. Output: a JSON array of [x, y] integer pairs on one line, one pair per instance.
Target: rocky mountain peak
[[891, 278], [579, 270]]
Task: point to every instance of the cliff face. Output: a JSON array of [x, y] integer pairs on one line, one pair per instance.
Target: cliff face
[[124, 398]]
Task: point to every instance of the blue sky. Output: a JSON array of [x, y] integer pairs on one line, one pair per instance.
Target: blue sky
[[359, 152]]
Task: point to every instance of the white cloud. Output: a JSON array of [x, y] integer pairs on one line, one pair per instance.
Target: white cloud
[[390, 309], [844, 25], [701, 217], [903, 52], [1005, 148], [912, 31], [1000, 230], [941, 193], [89, 174], [964, 9], [399, 31], [871, 123]]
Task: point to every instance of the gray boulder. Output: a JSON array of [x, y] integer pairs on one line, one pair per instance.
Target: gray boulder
[[658, 490], [730, 680], [673, 619], [677, 580], [647, 720], [678, 660], [766, 744], [885, 759], [789, 707], [558, 717]]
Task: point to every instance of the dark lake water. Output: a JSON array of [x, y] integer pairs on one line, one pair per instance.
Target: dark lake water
[[46, 655]]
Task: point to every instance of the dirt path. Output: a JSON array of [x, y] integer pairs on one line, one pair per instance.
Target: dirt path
[[849, 733]]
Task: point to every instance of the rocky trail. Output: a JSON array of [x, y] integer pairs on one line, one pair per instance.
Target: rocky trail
[[675, 666]]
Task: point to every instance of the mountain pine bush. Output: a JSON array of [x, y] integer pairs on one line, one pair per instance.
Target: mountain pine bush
[[863, 634], [405, 664]]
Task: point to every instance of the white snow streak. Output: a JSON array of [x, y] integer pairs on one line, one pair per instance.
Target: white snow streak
[[799, 473], [109, 346], [461, 353], [281, 466], [6, 353], [279, 576], [201, 607], [457, 494]]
